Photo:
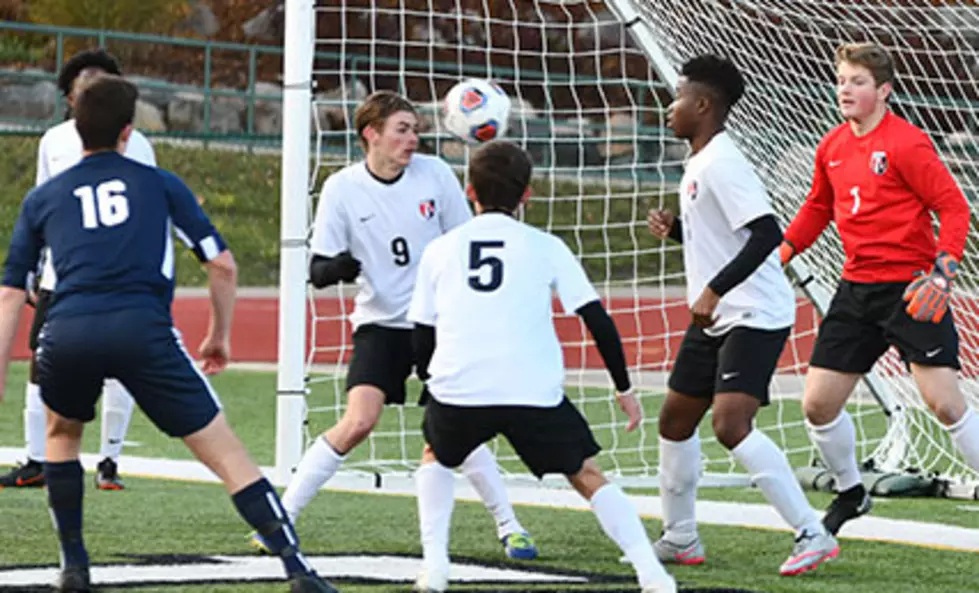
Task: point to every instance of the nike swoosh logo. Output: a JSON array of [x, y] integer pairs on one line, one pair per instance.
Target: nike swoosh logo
[[366, 218], [932, 353], [729, 376], [28, 482], [835, 163]]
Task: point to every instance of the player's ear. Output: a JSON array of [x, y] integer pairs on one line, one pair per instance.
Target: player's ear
[[471, 193], [884, 91], [124, 136], [370, 135], [526, 195]]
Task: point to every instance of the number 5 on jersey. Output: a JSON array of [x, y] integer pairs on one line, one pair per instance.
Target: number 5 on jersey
[[106, 205], [478, 260]]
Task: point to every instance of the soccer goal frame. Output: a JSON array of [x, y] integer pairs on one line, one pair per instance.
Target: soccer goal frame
[[296, 322]]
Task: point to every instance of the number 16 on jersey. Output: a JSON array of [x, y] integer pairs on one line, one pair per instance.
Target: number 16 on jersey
[[105, 205]]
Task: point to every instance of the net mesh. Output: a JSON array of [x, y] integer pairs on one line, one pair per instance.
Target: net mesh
[[590, 107]]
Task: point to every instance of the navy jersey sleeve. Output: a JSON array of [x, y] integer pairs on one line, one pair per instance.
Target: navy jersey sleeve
[[25, 246], [189, 221]]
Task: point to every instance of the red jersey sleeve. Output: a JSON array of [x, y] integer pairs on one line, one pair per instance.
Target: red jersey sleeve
[[928, 177], [816, 211]]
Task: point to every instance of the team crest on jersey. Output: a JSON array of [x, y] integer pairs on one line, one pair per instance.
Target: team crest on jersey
[[427, 209], [692, 190], [878, 162]]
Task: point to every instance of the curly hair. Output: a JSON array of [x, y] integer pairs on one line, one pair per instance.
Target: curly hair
[[717, 73], [93, 58]]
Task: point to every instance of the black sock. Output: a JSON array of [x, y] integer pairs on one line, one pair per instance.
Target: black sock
[[66, 486], [260, 506]]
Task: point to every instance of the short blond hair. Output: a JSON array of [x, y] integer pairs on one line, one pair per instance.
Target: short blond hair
[[869, 55], [376, 109]]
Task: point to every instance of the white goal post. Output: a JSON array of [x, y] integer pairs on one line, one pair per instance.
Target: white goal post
[[591, 82]]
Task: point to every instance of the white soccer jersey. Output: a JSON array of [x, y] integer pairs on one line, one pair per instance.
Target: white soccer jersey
[[59, 150], [720, 194], [386, 227], [487, 288]]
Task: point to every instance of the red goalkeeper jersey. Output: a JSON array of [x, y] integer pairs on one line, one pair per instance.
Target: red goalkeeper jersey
[[880, 189]]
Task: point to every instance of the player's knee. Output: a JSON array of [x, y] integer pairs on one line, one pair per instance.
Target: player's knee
[[360, 426], [588, 479], [731, 429], [947, 409], [674, 427], [818, 410]]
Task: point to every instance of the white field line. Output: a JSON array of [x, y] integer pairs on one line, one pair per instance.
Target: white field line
[[759, 516]]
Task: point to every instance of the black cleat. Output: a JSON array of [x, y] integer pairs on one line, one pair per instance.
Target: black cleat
[[107, 476], [310, 583], [74, 579], [847, 505], [28, 475]]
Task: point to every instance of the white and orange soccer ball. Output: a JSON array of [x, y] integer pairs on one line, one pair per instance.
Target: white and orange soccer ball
[[476, 110]]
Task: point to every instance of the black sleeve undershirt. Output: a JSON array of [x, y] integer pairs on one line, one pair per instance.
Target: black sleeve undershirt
[[765, 237], [423, 345], [327, 271], [608, 342], [676, 231]]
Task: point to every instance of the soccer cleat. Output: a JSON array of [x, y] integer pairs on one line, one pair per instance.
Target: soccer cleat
[[310, 583], [811, 550], [688, 554], [431, 581], [73, 579], [28, 475], [107, 476], [847, 505], [255, 542], [661, 587], [519, 546]]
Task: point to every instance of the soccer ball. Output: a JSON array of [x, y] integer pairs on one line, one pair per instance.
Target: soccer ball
[[476, 110]]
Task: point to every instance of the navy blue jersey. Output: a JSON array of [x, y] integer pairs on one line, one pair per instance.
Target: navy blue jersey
[[109, 223]]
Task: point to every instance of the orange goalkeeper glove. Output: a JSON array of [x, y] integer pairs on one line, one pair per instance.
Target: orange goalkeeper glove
[[786, 251], [927, 297]]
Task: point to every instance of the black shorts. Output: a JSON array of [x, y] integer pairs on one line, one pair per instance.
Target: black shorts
[[548, 440], [139, 348], [742, 360], [41, 306], [383, 357], [865, 319]]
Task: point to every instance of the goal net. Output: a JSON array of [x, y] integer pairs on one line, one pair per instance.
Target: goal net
[[590, 82]]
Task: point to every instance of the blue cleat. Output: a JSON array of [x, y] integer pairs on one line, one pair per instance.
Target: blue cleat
[[520, 546]]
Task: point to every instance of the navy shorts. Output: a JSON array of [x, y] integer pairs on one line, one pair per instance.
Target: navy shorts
[[138, 347]]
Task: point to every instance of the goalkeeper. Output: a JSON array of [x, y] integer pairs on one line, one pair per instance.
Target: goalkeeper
[[879, 178]]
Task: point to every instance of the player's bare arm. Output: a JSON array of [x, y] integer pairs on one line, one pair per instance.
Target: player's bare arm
[[11, 303], [215, 350]]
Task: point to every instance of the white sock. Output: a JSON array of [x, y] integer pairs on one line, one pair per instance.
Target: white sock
[[620, 522], [770, 471], [837, 444], [965, 435], [679, 472], [317, 466], [435, 484], [35, 423], [482, 472], [117, 411]]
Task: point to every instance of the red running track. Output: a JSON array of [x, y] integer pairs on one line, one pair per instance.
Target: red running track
[[651, 331]]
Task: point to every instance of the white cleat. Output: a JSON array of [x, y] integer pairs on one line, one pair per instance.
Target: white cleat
[[668, 586], [432, 581], [811, 550]]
